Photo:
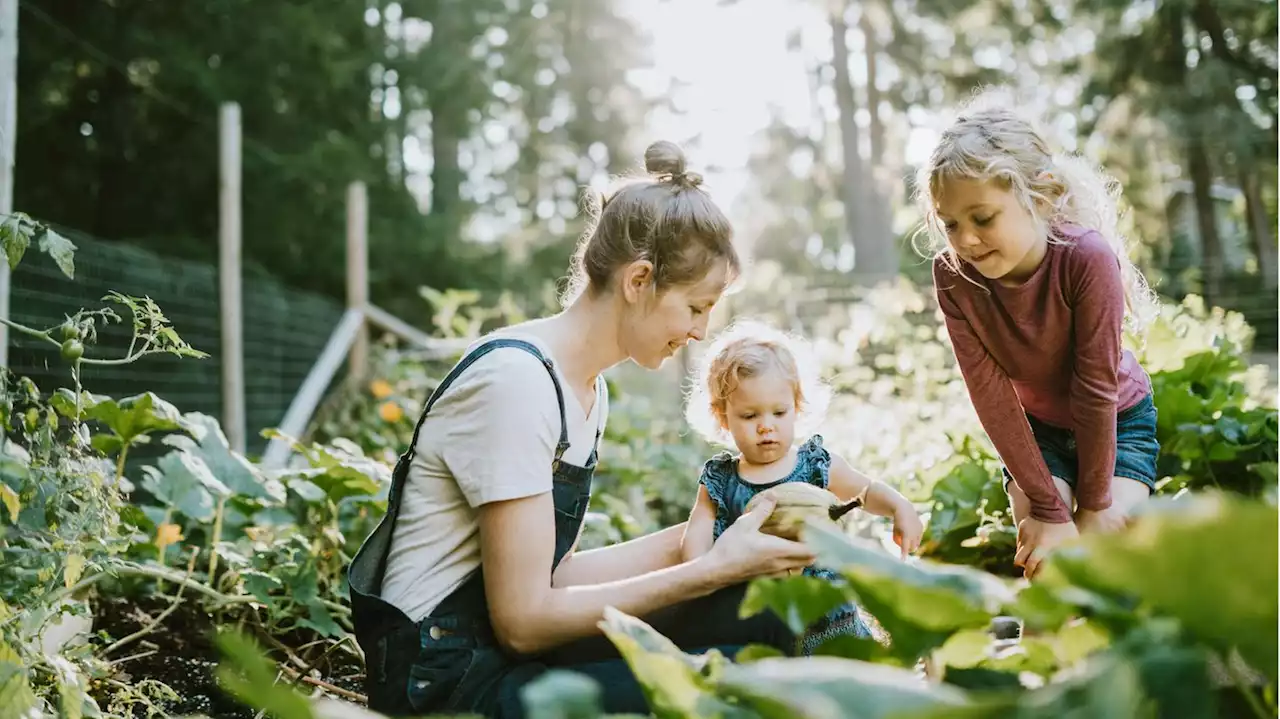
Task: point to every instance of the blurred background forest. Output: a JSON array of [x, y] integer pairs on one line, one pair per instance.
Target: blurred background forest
[[476, 124]]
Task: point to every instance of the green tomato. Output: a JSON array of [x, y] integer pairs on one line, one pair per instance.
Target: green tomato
[[72, 350], [70, 331]]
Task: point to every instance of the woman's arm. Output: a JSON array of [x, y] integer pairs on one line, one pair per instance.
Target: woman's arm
[[654, 551], [517, 545]]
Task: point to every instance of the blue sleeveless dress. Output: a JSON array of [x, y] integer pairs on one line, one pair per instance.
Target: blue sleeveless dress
[[730, 493]]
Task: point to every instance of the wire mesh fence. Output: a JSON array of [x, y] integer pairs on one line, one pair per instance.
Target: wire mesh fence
[[284, 330]]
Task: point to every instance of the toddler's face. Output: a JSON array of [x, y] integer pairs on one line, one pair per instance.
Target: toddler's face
[[989, 229], [761, 416]]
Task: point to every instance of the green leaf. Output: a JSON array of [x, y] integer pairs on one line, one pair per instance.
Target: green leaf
[[919, 604], [107, 444], [756, 652], [260, 584], [251, 678], [1233, 600], [14, 239], [672, 681], [799, 601], [74, 568], [341, 470], [135, 416], [562, 694], [964, 649], [61, 250], [64, 402], [182, 480], [210, 444], [71, 687], [831, 688], [319, 619], [9, 498], [1041, 608], [16, 695], [1174, 673], [1078, 640], [1265, 470]]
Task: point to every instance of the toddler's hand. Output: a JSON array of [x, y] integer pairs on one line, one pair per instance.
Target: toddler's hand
[[907, 530]]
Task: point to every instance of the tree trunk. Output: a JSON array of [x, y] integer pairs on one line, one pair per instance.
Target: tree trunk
[[448, 123], [873, 93], [1206, 221], [874, 256], [1264, 243]]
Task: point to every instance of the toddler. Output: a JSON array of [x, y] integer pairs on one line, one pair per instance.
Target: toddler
[[757, 390]]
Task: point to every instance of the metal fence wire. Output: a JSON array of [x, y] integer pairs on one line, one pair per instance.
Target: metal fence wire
[[284, 329]]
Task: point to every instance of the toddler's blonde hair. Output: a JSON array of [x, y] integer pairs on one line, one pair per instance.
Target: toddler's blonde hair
[[746, 349], [991, 141]]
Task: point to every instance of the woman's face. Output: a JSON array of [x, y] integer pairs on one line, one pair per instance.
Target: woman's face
[[657, 325]]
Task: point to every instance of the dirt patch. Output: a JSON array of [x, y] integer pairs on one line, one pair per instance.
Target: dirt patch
[[184, 657]]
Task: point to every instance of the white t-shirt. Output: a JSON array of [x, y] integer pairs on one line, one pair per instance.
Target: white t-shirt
[[490, 437]]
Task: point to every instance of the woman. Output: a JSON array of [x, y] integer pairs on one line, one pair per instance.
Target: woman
[[470, 586]]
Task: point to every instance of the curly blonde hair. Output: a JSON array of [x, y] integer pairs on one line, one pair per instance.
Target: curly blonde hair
[[746, 349], [990, 141]]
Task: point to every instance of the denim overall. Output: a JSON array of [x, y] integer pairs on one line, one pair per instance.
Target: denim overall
[[449, 661]]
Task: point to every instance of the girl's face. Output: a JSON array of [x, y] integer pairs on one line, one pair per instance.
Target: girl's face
[[657, 326], [761, 416], [988, 228]]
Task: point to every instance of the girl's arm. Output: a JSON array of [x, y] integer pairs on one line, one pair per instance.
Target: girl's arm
[[1098, 292], [529, 615], [700, 529], [877, 497], [654, 551]]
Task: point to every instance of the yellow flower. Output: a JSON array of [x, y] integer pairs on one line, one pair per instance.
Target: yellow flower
[[380, 388], [167, 534], [390, 412]]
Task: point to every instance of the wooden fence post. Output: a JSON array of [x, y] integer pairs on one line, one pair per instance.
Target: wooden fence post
[[229, 243], [358, 274], [8, 144]]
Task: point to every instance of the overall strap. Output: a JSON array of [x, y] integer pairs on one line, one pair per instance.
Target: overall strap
[[398, 480]]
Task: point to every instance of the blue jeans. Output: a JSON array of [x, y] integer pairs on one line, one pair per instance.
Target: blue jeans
[[1136, 446], [696, 627]]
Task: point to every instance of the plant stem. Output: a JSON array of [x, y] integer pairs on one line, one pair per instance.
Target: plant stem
[[28, 331], [1244, 685], [128, 569], [151, 626], [217, 535], [168, 514], [339, 691], [124, 452]]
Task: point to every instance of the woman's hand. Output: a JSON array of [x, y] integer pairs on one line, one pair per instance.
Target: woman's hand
[[1036, 539], [743, 552]]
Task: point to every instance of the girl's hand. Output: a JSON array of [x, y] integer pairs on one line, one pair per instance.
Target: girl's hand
[[1036, 539], [743, 552], [1103, 521], [907, 530]]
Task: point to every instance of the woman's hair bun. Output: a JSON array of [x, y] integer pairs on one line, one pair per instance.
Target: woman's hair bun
[[664, 158]]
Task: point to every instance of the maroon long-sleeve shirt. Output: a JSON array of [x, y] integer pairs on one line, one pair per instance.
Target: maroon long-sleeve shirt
[[1049, 347]]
